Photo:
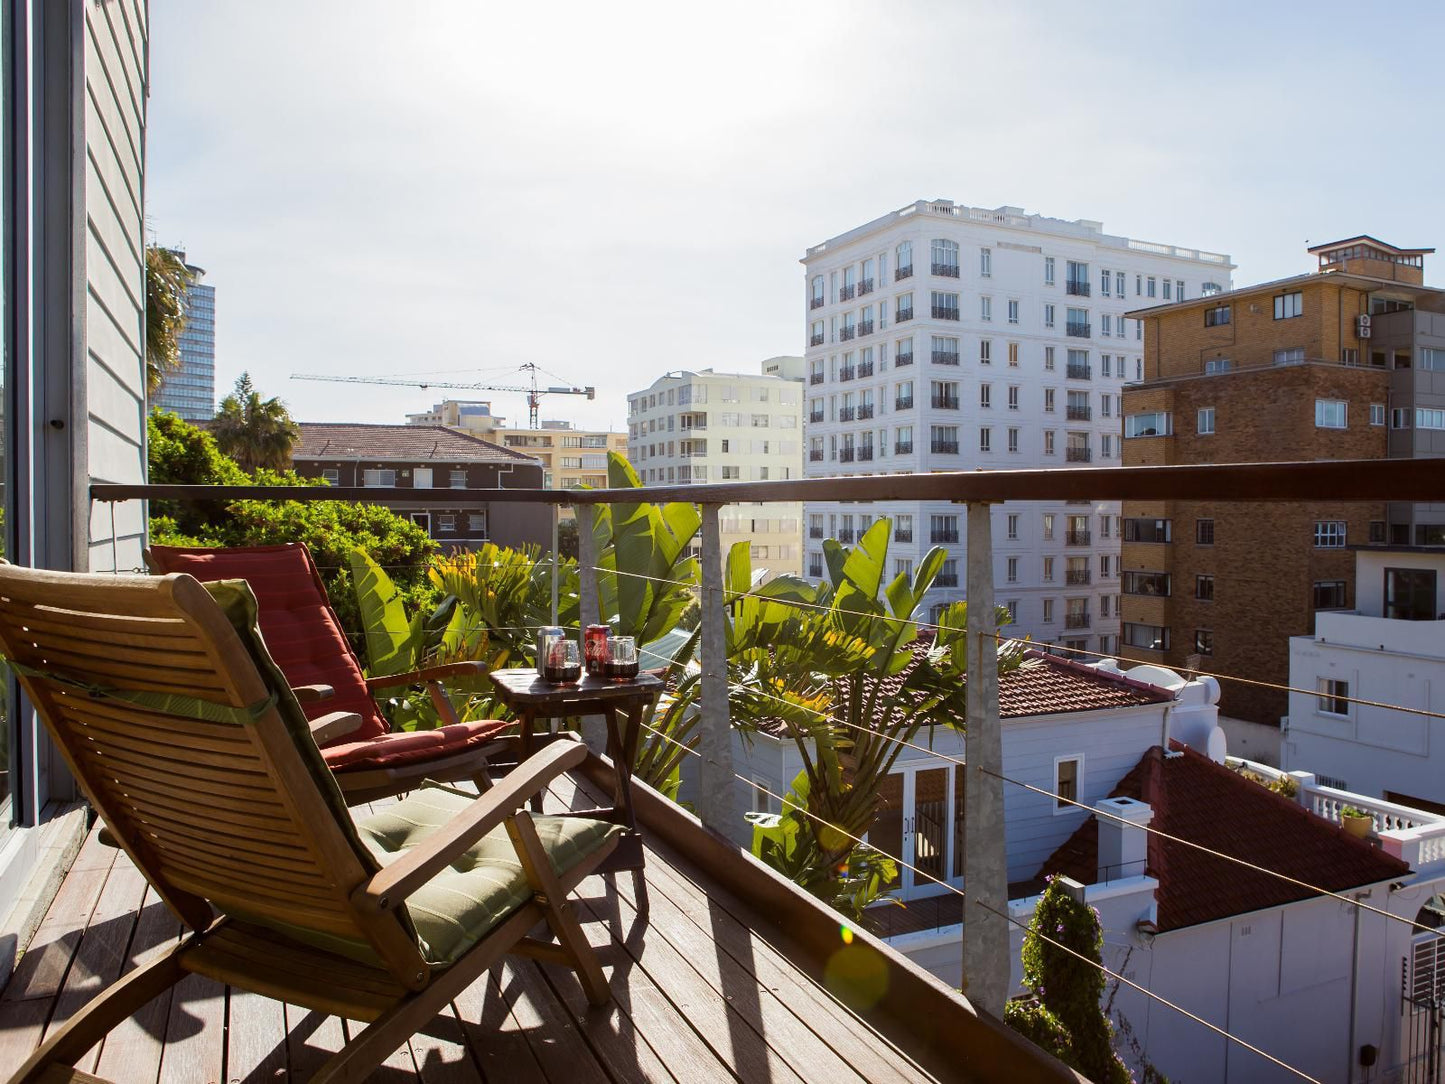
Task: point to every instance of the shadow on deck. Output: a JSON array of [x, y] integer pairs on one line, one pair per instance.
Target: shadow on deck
[[705, 988]]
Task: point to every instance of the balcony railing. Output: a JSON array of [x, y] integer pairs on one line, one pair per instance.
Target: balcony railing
[[1077, 329], [815, 417], [865, 411], [945, 312], [1077, 287], [903, 403], [945, 357], [815, 378], [845, 455], [903, 447], [943, 535], [904, 315], [846, 373], [1076, 621], [865, 453], [815, 340], [865, 287], [1079, 413], [902, 535], [816, 303], [1077, 371], [845, 333], [1076, 538], [1077, 576], [946, 579], [865, 327], [865, 368], [944, 402], [944, 447], [903, 359], [901, 273], [845, 293], [847, 413], [1079, 455], [816, 532], [815, 455], [947, 270], [845, 534]]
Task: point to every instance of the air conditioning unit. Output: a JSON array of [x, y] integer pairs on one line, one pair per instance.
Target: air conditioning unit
[[1362, 325]]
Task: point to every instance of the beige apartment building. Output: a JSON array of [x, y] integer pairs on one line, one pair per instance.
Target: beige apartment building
[[707, 426]]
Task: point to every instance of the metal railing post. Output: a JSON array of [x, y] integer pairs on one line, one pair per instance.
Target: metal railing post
[[716, 795], [556, 561], [985, 870], [594, 727]]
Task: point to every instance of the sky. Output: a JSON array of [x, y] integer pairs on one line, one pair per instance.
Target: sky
[[446, 190]]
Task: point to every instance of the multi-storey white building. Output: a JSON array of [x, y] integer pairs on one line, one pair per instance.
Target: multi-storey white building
[[706, 426], [943, 337]]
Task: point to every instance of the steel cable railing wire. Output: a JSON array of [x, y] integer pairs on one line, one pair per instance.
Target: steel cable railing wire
[[787, 804]]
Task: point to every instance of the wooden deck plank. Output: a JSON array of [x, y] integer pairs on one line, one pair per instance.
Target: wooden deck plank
[[550, 1030], [311, 1038], [494, 1036], [255, 1038], [398, 1068], [194, 1049], [132, 1050], [441, 1054]]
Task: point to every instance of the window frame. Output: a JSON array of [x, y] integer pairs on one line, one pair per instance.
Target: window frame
[[1060, 805]]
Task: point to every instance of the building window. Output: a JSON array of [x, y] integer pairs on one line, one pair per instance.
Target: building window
[[1156, 424], [1295, 355], [1429, 419], [1400, 418], [1013, 355], [447, 523], [458, 479], [1068, 772], [1206, 421], [985, 308], [1204, 588], [1048, 573], [1013, 312], [1048, 270], [1154, 584], [477, 522], [1013, 439], [1049, 358], [1288, 305], [1329, 534], [1378, 532], [1148, 637], [945, 305], [1013, 525], [1329, 595], [1410, 594], [1333, 697], [1013, 570], [378, 477], [1048, 442], [1377, 413], [985, 262], [1048, 611], [1150, 288], [945, 258], [332, 476], [1331, 414], [903, 260], [985, 352], [1203, 638], [1048, 316], [985, 439], [1217, 316], [1048, 528], [1204, 532], [1146, 530], [1048, 400]]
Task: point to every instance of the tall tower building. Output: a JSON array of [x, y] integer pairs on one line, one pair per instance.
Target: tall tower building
[[944, 338], [707, 426], [190, 391]]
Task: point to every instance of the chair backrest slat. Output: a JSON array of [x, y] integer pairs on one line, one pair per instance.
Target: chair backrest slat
[[236, 815]]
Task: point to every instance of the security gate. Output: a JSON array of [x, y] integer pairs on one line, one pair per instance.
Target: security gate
[[1422, 1003]]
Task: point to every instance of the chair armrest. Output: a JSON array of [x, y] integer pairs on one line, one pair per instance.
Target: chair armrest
[[389, 889], [338, 724], [429, 673], [313, 694]]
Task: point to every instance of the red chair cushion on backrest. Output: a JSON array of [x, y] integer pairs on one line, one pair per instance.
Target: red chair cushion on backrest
[[301, 630]]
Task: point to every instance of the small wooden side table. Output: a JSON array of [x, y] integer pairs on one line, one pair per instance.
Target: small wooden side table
[[622, 705]]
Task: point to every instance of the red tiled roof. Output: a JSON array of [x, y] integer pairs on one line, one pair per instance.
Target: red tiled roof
[[1196, 799], [348, 440], [1048, 686]]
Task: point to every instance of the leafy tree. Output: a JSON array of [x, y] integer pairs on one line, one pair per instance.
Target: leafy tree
[[167, 279], [255, 432], [1064, 1015]]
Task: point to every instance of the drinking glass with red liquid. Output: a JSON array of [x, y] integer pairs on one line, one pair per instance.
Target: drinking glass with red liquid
[[622, 658]]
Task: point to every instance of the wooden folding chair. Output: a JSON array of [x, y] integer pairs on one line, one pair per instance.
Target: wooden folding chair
[[189, 742]]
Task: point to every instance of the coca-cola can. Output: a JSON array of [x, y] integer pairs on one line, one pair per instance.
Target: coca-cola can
[[594, 650]]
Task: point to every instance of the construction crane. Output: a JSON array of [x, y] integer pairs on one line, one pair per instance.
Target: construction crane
[[533, 392]]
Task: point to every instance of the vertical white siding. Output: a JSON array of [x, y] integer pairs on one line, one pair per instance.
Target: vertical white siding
[[113, 368]]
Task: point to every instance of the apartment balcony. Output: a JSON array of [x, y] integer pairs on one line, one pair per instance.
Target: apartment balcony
[[1076, 538], [902, 403], [846, 333], [1079, 455], [865, 287], [946, 579], [943, 537], [945, 357], [815, 340], [1076, 371], [1076, 621], [865, 454], [1079, 413], [1077, 329], [845, 534], [865, 327], [845, 455], [815, 378], [944, 402], [845, 293], [847, 413], [903, 315], [816, 303], [847, 373], [901, 273], [946, 270], [1077, 288], [903, 447], [815, 417], [1077, 577], [944, 447], [901, 535], [815, 532], [945, 312], [904, 359], [865, 412], [815, 455], [865, 369]]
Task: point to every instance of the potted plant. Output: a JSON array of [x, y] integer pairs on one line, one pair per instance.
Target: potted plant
[[1356, 822]]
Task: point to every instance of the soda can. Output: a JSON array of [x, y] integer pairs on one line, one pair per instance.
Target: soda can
[[594, 650], [546, 636]]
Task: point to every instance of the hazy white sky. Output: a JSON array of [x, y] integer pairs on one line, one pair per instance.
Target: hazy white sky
[[614, 190]]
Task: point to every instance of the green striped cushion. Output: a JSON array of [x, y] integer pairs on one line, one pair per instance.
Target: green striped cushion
[[458, 906]]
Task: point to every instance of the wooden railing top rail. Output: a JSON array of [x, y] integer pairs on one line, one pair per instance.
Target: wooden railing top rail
[[1339, 480]]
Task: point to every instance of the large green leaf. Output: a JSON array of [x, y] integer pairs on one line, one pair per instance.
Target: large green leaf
[[393, 642]]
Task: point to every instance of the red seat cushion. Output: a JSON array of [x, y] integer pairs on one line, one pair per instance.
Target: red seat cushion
[[400, 748], [301, 630]]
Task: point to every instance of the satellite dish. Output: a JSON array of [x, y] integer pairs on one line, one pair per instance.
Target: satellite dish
[[1215, 747]]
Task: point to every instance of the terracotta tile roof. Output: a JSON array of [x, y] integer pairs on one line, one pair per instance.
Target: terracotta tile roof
[[1198, 800], [1049, 685], [347, 440]]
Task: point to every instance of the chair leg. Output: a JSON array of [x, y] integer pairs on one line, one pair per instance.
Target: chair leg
[[559, 910], [482, 779], [121, 999], [358, 1059]]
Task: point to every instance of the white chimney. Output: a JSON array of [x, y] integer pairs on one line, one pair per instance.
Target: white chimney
[[1123, 847]]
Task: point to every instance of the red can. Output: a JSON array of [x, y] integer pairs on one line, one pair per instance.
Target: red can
[[594, 649]]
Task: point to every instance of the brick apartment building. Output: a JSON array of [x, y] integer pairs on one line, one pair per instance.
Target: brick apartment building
[[1347, 362]]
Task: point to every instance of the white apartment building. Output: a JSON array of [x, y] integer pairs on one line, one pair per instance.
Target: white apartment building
[[706, 426], [942, 338]]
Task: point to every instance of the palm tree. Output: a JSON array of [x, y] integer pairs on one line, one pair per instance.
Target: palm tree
[[167, 279], [255, 432]]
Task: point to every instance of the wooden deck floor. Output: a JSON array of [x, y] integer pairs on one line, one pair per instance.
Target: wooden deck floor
[[698, 996]]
